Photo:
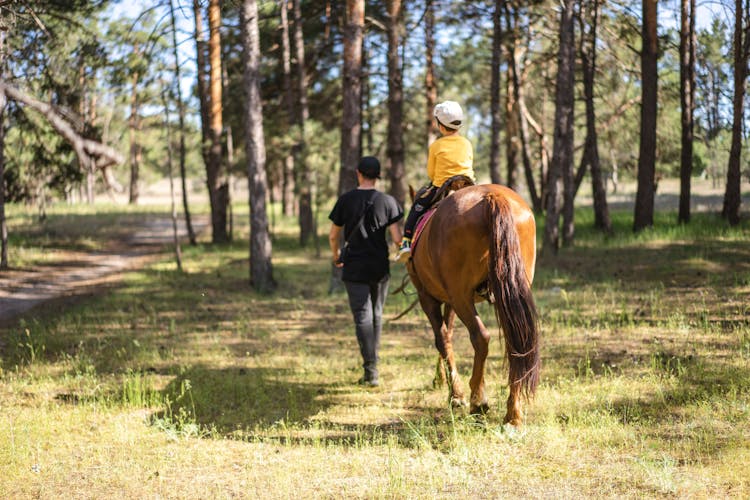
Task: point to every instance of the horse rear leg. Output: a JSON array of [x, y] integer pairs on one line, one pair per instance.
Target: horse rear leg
[[442, 327], [480, 340]]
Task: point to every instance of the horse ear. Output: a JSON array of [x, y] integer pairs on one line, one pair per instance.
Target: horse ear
[[412, 193]]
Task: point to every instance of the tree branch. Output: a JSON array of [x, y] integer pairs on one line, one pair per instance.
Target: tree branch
[[620, 110], [89, 152]]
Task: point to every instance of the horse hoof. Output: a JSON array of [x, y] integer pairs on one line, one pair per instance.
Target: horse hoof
[[513, 432], [459, 403], [481, 409], [514, 422]]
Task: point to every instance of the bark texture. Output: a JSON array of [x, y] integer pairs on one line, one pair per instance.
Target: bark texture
[[560, 174], [218, 188], [687, 103], [732, 197], [396, 172], [351, 126], [644, 199], [261, 272], [304, 178]]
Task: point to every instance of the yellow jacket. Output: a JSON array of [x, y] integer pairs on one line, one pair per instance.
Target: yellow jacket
[[448, 156]]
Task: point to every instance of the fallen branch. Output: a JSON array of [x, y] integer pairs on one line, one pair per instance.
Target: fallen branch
[[89, 152]]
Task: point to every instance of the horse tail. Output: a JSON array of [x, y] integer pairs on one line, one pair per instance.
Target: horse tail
[[514, 305]]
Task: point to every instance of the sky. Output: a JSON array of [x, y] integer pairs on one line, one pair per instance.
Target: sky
[[185, 31]]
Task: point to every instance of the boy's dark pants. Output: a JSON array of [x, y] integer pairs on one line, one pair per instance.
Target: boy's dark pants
[[422, 201]]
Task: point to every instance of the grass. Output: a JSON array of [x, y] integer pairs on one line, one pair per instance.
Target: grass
[[192, 385]]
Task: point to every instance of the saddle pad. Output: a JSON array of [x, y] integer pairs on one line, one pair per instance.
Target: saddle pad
[[421, 223]]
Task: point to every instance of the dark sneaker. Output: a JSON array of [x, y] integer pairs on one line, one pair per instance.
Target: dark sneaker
[[404, 251]]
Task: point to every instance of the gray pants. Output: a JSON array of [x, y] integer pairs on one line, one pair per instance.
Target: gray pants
[[366, 301]]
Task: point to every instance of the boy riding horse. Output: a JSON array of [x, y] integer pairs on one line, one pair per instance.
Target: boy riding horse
[[449, 156]]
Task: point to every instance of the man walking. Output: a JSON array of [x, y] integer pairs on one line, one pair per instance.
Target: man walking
[[364, 214]]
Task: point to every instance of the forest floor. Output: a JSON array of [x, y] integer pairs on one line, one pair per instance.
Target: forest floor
[[165, 384]]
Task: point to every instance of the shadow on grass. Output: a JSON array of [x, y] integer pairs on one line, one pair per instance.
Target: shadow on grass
[[232, 399], [260, 404], [673, 265], [686, 398], [697, 382]]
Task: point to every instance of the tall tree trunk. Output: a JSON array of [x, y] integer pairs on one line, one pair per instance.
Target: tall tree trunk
[[525, 148], [368, 139], [204, 97], [518, 120], [644, 199], [544, 142], [395, 102], [591, 148], [88, 123], [91, 124], [3, 223], [495, 93], [3, 102], [524, 118], [287, 180], [562, 154], [181, 124], [430, 85], [170, 162], [567, 149], [514, 134], [732, 197], [351, 128], [218, 188], [512, 129], [307, 225], [687, 100], [261, 271], [134, 125], [523, 134]]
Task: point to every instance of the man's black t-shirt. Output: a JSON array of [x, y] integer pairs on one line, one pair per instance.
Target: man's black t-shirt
[[367, 257]]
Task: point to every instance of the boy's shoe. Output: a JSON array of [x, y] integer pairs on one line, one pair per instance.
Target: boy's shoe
[[404, 252]]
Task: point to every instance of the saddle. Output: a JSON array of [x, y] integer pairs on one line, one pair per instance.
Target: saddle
[[450, 186]]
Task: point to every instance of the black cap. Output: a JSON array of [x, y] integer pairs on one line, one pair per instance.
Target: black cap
[[369, 166]]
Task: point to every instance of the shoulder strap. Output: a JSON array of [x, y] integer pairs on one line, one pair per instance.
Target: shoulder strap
[[361, 220]]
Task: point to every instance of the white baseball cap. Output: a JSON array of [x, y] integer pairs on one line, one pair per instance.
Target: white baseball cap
[[449, 114]]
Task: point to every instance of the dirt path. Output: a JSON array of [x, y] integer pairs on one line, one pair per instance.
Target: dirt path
[[76, 274]]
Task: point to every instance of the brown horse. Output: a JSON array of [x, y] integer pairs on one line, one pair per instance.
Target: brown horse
[[480, 244]]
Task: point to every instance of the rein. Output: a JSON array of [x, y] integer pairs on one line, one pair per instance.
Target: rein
[[405, 311], [402, 289]]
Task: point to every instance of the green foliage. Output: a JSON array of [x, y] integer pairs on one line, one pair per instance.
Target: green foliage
[[57, 66], [88, 52], [84, 64]]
